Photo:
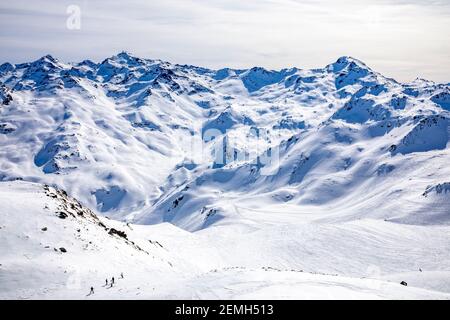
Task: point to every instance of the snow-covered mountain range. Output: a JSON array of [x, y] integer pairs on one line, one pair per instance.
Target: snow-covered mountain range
[[331, 170]]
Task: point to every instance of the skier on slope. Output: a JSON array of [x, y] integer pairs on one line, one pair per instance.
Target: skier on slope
[[92, 291], [106, 282], [121, 275], [112, 280]]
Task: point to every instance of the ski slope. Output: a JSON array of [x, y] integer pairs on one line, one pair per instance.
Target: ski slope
[[165, 262]]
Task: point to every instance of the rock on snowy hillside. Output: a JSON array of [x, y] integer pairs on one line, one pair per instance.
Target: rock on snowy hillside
[[53, 246]]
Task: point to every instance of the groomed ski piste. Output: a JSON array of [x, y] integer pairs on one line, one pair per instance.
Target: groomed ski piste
[[99, 179]]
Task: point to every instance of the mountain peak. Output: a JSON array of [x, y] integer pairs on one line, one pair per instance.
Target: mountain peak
[[88, 63], [344, 62], [6, 67], [126, 57], [47, 61], [47, 58], [421, 81], [346, 59]]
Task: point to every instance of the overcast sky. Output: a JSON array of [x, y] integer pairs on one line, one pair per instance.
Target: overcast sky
[[403, 39]]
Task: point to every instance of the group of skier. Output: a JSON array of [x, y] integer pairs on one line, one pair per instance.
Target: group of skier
[[110, 283]]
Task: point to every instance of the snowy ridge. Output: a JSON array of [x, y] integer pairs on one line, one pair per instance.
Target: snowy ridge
[[112, 120]]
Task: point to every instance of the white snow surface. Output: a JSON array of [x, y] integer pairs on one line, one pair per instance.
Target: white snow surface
[[366, 259], [358, 200]]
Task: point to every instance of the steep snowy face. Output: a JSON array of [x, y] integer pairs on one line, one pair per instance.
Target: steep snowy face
[[153, 141]]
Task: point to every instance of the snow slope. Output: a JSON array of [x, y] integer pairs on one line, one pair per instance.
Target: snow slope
[[52, 247], [339, 172]]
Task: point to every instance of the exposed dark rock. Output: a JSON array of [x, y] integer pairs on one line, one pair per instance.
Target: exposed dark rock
[[121, 234], [62, 215]]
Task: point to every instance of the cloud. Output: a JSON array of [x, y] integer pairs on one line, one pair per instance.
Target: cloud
[[401, 38]]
